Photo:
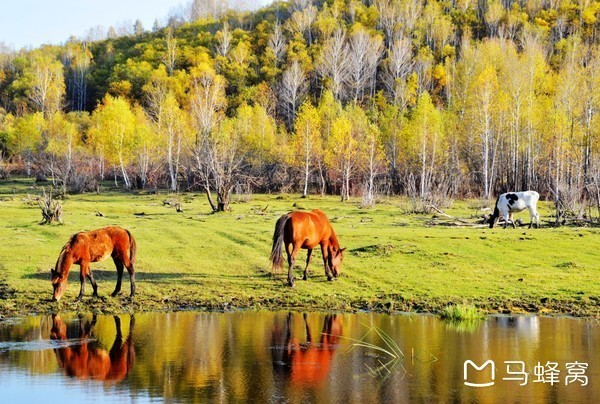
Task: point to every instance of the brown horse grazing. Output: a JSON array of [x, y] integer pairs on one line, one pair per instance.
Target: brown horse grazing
[[89, 360], [296, 230], [95, 246]]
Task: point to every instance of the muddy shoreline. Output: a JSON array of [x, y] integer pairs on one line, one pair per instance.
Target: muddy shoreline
[[587, 307]]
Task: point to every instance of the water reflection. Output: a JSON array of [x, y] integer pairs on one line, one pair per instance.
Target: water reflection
[[290, 357], [86, 358], [302, 359]]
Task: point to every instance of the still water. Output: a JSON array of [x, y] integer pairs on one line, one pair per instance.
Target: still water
[[297, 358]]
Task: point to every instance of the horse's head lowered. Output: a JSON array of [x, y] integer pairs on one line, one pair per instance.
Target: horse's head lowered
[[60, 274], [59, 283], [336, 261]]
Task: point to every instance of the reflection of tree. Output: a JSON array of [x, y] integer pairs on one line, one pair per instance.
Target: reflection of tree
[[88, 360], [305, 363]]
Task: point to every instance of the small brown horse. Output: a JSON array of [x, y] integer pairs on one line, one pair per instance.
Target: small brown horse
[[95, 246], [296, 230]]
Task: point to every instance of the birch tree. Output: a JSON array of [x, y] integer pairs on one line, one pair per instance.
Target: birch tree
[[25, 137], [292, 89], [334, 63], [147, 150], [484, 92], [277, 43], [78, 61], [364, 53], [396, 68], [425, 129], [43, 82], [306, 144], [215, 164], [224, 38], [170, 55], [63, 140], [112, 134]]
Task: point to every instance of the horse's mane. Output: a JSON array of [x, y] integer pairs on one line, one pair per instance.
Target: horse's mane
[[66, 248]]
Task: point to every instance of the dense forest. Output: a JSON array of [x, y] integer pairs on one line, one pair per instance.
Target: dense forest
[[432, 99]]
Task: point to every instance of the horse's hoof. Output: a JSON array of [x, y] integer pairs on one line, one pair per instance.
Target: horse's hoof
[[305, 278], [329, 279]]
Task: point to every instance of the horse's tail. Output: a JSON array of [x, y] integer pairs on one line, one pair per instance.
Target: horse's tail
[[132, 247], [276, 257]]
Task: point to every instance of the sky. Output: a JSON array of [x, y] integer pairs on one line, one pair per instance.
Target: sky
[[31, 23]]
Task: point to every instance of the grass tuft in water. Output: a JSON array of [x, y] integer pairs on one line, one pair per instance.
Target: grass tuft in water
[[461, 312], [389, 350]]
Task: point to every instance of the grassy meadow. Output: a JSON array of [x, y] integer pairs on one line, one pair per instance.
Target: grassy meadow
[[395, 261]]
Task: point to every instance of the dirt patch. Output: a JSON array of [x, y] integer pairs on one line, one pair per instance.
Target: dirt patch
[[376, 250]]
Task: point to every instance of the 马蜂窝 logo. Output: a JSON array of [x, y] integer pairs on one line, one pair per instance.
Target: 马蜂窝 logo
[[481, 368]]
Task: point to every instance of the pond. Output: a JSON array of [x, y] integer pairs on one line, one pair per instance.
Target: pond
[[298, 357]]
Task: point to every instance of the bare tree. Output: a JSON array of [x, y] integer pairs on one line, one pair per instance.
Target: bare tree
[[365, 53], [591, 107], [111, 33], [334, 63], [224, 38], [171, 51], [96, 33], [138, 28], [277, 43], [170, 123], [51, 208], [299, 5], [124, 28], [292, 89], [213, 165], [202, 8], [77, 59], [301, 21], [493, 15], [389, 16], [396, 69], [398, 17], [46, 88]]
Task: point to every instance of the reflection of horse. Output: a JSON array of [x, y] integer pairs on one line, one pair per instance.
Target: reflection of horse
[[94, 246], [306, 230], [306, 363], [88, 360]]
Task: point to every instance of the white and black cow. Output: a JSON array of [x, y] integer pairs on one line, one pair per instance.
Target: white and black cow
[[512, 202]]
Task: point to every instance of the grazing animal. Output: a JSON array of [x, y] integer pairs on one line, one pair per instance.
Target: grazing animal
[[89, 360], [296, 230], [511, 202], [95, 246]]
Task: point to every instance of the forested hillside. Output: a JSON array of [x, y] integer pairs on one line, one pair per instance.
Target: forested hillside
[[432, 99]]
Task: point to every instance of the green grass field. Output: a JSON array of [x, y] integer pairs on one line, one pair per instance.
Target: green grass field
[[395, 261]]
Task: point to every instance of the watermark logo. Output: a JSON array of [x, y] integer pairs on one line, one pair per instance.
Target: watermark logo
[[516, 371], [487, 363], [576, 373]]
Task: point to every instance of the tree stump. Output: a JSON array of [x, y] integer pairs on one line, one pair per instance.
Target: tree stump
[[51, 209]]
